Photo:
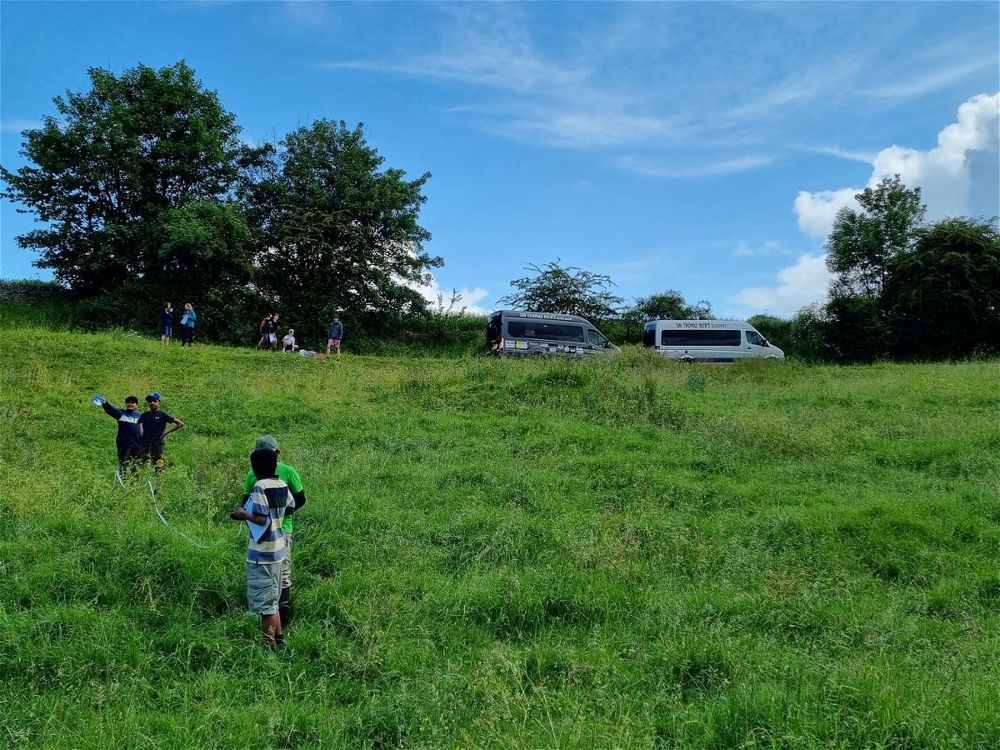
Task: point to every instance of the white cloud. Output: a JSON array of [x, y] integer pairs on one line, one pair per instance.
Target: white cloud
[[960, 176], [469, 297], [816, 211], [798, 285]]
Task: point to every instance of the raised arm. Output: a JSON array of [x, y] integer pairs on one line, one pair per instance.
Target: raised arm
[[110, 410]]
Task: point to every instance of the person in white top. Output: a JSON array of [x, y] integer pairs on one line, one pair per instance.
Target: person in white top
[[288, 342]]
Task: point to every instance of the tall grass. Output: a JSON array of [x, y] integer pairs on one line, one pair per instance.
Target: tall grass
[[622, 552]]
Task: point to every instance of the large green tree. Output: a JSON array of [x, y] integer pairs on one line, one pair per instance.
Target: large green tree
[[862, 242], [558, 289], [127, 174], [336, 230], [943, 297]]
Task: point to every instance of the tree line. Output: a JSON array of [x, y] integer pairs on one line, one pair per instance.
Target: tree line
[[145, 192]]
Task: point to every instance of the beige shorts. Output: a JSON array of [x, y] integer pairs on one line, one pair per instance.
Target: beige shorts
[[263, 587]]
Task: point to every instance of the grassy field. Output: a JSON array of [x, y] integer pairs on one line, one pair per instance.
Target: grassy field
[[502, 554]]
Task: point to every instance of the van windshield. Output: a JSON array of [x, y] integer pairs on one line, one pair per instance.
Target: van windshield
[[541, 329], [700, 338], [493, 329]]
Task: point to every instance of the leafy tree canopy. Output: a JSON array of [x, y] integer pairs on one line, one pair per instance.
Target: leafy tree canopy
[[570, 290], [861, 243], [670, 305], [943, 296], [337, 231], [105, 175]]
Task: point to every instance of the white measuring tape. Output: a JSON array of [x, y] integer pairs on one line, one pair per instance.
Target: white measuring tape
[[162, 516]]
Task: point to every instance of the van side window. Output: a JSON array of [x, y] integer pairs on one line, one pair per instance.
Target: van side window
[[755, 338], [539, 329], [595, 338], [685, 337]]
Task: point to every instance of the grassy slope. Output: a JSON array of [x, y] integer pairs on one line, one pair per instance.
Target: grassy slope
[[505, 554]]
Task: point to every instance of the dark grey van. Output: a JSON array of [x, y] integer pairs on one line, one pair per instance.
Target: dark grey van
[[514, 333]]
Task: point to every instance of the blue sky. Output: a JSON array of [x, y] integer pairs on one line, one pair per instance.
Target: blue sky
[[703, 147]]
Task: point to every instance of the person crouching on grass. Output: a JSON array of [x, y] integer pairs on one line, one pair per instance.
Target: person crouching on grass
[[269, 503]]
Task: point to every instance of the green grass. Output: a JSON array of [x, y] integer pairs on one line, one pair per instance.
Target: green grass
[[503, 554]]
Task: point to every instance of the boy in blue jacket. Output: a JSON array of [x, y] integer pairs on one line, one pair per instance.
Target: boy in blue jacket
[[129, 438]]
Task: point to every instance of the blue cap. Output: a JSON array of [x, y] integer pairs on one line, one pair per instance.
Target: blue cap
[[154, 396]]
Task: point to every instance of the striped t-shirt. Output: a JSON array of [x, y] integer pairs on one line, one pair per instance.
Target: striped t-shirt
[[272, 498]]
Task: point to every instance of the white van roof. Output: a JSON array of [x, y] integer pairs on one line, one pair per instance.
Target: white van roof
[[703, 325], [542, 316]]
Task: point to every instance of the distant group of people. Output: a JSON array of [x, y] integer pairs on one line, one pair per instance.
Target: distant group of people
[[268, 330], [272, 492], [269, 337], [185, 327]]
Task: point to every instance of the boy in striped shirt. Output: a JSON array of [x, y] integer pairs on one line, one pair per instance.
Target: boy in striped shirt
[[269, 503]]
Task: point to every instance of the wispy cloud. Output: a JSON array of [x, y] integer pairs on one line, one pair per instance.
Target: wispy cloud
[[929, 80], [619, 83], [705, 169], [797, 89], [865, 157], [528, 95]]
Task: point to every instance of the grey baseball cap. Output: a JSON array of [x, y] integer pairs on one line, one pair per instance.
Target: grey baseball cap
[[266, 441]]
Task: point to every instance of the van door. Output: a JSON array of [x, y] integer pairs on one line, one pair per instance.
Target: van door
[[596, 339], [755, 345]]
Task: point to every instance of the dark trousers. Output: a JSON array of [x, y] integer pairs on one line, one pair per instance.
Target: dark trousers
[[128, 458], [187, 333]]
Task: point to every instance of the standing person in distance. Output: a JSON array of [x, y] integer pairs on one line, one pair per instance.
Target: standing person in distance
[[128, 441], [166, 323], [187, 324], [265, 341], [334, 336], [154, 422], [262, 343], [272, 332], [267, 506], [291, 477]]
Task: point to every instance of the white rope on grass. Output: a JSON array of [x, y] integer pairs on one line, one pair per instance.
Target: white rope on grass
[[162, 516]]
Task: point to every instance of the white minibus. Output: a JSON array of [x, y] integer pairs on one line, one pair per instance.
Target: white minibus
[[707, 340]]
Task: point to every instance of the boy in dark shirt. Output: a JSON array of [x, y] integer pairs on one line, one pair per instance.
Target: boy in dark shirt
[[154, 423], [129, 438]]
